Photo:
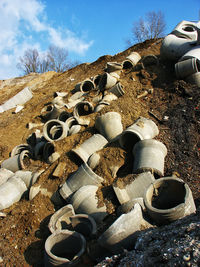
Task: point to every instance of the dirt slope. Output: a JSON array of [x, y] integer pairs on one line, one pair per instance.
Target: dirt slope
[[173, 105]]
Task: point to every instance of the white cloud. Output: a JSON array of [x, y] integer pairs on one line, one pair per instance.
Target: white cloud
[[68, 40], [20, 21]]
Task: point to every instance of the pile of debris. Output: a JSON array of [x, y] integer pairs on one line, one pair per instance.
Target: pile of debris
[[88, 220]]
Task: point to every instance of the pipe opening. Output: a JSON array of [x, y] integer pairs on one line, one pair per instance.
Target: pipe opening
[[188, 29], [84, 109], [87, 86], [54, 130], [66, 246], [167, 194], [128, 140], [127, 65]]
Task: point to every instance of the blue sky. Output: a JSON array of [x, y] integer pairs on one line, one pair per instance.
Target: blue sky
[[87, 28]]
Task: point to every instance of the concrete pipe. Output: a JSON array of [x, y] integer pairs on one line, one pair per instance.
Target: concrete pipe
[[11, 191], [83, 108], [149, 155], [192, 53], [108, 80], [87, 86], [186, 29], [49, 154], [174, 47], [117, 89], [28, 177], [60, 220], [123, 233], [131, 60], [84, 224], [95, 143], [19, 148], [18, 162], [83, 176], [93, 160], [64, 248], [55, 130], [38, 150], [135, 188], [187, 67], [141, 129], [85, 201], [113, 66], [128, 206], [109, 125], [100, 106], [96, 79], [168, 199], [149, 60], [5, 175], [50, 112]]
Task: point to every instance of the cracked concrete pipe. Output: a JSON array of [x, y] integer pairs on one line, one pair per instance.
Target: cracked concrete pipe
[[17, 162], [131, 60], [186, 29], [49, 154], [101, 105], [96, 79], [83, 176], [108, 80], [19, 148], [123, 233], [149, 155], [192, 53], [83, 108], [113, 66], [117, 89], [55, 130], [174, 47], [85, 201], [109, 125], [95, 143], [5, 175], [64, 248], [73, 125], [28, 177], [11, 191], [187, 67], [136, 187], [50, 112], [60, 220], [149, 60], [168, 199], [85, 86], [84, 224], [128, 206], [93, 160], [142, 128]]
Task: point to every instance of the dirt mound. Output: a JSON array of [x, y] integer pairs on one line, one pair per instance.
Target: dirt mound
[[173, 105]]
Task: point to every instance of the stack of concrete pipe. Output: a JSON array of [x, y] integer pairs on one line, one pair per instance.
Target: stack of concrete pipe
[[182, 46]]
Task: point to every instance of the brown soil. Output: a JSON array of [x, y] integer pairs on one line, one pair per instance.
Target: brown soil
[[173, 105]]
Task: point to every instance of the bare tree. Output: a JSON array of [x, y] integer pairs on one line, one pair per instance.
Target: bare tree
[[56, 59], [30, 62], [152, 26]]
